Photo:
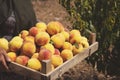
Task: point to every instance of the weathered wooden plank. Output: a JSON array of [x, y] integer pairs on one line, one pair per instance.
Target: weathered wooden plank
[[25, 71]]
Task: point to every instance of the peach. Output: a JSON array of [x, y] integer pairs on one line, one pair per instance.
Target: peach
[[66, 35], [12, 56], [44, 54], [33, 31], [42, 38], [56, 60], [57, 51], [84, 42], [54, 27], [67, 45], [77, 48], [22, 59], [58, 40], [24, 33], [29, 38], [15, 43], [66, 54], [35, 55], [75, 36], [4, 43], [34, 63], [41, 26], [49, 47], [28, 48], [61, 27]]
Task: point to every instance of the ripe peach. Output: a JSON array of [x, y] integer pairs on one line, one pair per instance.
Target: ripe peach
[[66, 54], [22, 59], [33, 31], [75, 36], [84, 42], [41, 26], [49, 47], [42, 38], [57, 51], [44, 54], [77, 48], [34, 63], [58, 40], [15, 44], [12, 56], [4, 43], [28, 48], [35, 55], [56, 60], [66, 35], [29, 38], [60, 26], [54, 27], [24, 33], [67, 45]]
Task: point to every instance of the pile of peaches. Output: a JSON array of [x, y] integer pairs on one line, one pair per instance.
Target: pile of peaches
[[44, 42]]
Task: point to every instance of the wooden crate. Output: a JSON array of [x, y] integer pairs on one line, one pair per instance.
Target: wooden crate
[[46, 73]]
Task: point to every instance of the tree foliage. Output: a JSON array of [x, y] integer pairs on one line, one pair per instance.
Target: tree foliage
[[103, 18]]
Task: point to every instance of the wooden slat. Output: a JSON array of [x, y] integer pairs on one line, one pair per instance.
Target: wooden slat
[[25, 71]]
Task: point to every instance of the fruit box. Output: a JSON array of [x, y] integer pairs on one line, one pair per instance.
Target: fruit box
[[47, 73]]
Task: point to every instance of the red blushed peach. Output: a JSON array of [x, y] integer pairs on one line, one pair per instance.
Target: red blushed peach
[[28, 48], [44, 54], [75, 36], [42, 38], [22, 59], [57, 51], [33, 31], [24, 33]]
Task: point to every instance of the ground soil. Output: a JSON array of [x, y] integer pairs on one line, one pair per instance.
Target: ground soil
[[50, 10]]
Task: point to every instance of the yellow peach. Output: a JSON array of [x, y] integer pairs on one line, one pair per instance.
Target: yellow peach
[[34, 63], [15, 43], [66, 54], [58, 40], [67, 45], [54, 27], [41, 26], [56, 60], [4, 43], [29, 38], [28, 48], [35, 55], [66, 35], [42, 38], [77, 48], [12, 56]]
